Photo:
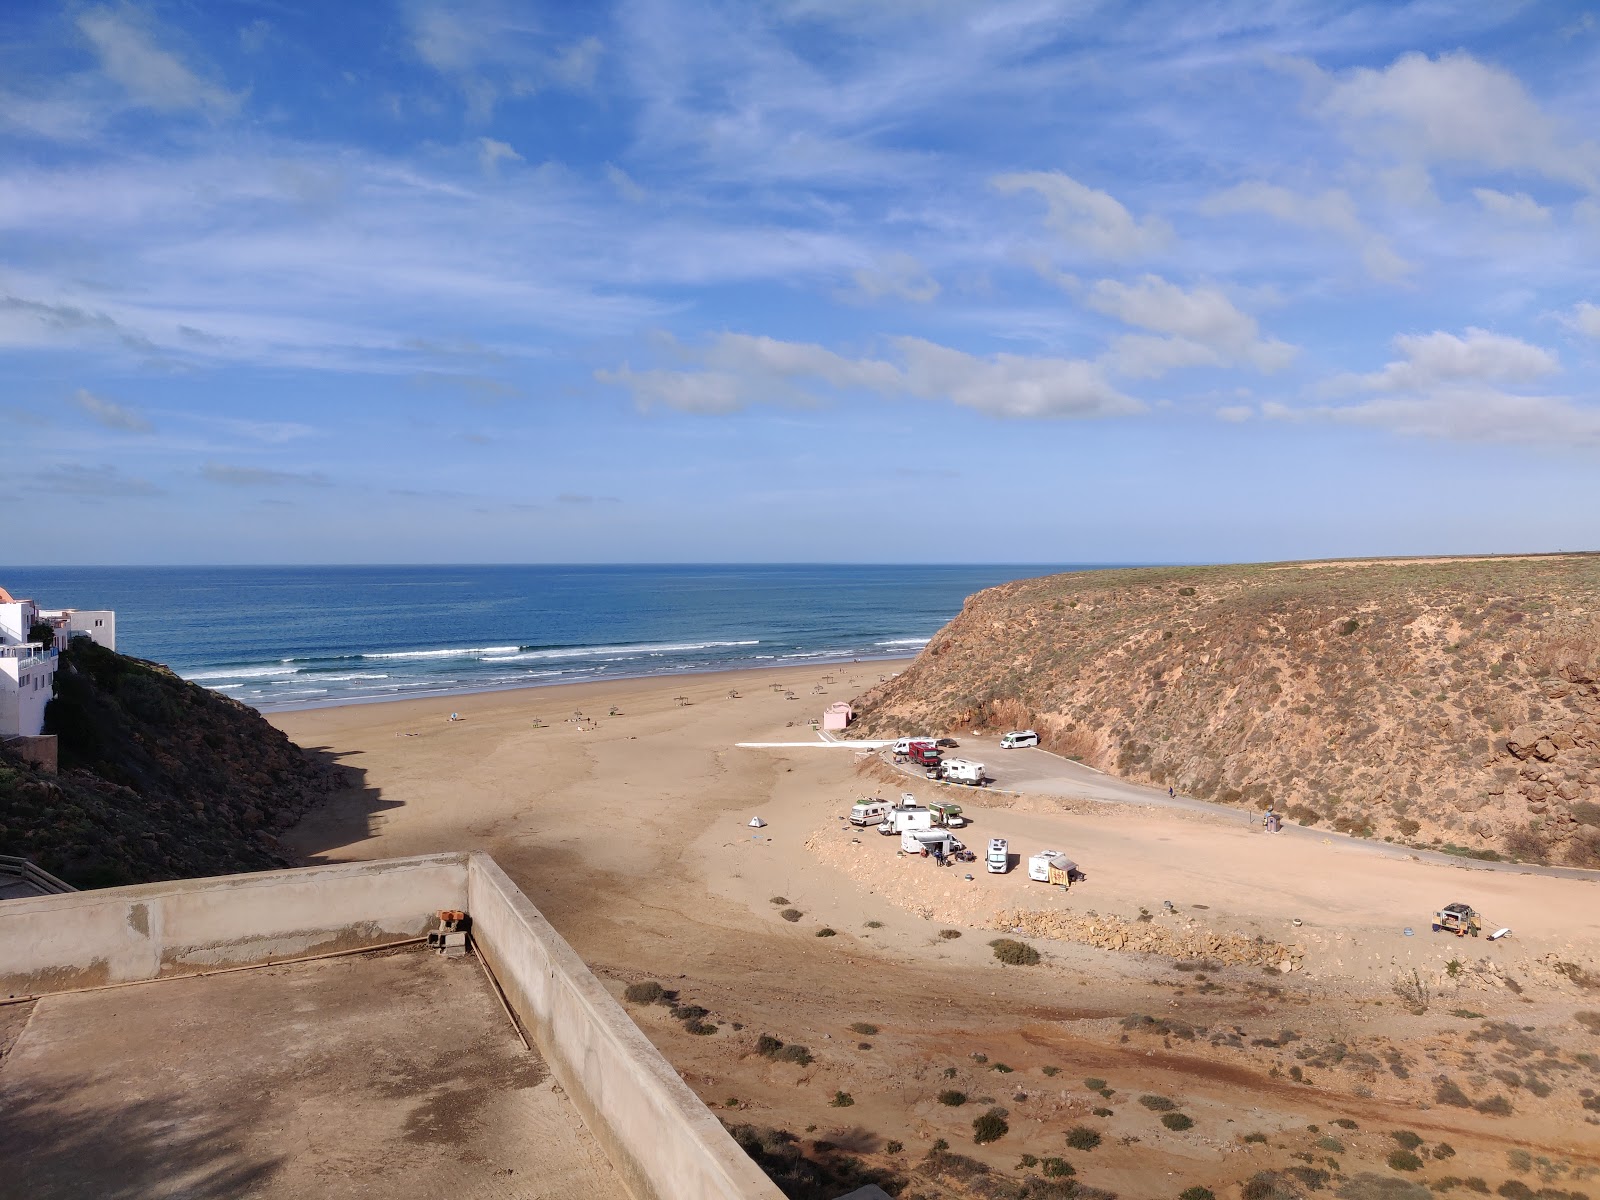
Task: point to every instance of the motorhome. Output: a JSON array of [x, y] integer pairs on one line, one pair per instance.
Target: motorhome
[[999, 860], [898, 820], [947, 816], [940, 841], [924, 754], [903, 746], [870, 812], [1019, 738], [1042, 864], [961, 770]]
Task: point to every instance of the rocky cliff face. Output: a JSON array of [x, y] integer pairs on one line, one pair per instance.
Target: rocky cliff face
[[1451, 703], [159, 779]]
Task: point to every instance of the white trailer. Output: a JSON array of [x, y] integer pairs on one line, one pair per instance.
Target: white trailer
[[999, 860], [942, 841], [1041, 864], [961, 770]]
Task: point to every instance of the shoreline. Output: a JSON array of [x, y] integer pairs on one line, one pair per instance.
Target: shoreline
[[445, 693]]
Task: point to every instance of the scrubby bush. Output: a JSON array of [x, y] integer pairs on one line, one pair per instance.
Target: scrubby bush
[[689, 1012], [893, 1147], [1494, 1106], [1051, 1070], [826, 932], [1056, 1168], [1001, 1067], [841, 1100], [1177, 1121], [990, 1127], [799, 1055], [1197, 1193], [791, 915], [1330, 1143], [1343, 1123], [780, 900], [948, 934], [864, 1028], [1158, 1103], [1014, 953], [1406, 1139], [952, 1098], [648, 992], [1102, 1112], [1404, 1160], [1447, 1091], [1443, 1151], [1093, 1084], [1081, 1137], [699, 1028]]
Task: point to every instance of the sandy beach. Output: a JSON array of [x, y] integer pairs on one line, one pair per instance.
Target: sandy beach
[[628, 826]]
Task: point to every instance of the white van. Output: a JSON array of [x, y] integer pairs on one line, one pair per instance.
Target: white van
[[915, 841], [903, 746], [999, 856], [1039, 864], [1018, 738], [961, 770], [898, 820], [870, 812]]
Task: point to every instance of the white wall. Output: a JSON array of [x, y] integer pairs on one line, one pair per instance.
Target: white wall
[[26, 686]]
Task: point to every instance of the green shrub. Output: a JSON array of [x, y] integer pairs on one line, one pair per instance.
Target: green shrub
[[1001, 1067], [1014, 953], [1056, 1168], [940, 1145], [1094, 1085], [1494, 1106], [1515, 1189], [1330, 1143], [948, 934], [1343, 1123], [1102, 1112], [1051, 1070], [1177, 1121], [1406, 1138], [791, 915], [1404, 1160], [1158, 1103], [864, 1028], [1197, 1193], [893, 1147], [699, 1028], [874, 924], [952, 1098], [1081, 1137], [990, 1127], [1447, 1091], [841, 1100], [768, 1046], [1443, 1151], [796, 1054], [647, 992], [1257, 1138], [826, 932], [1027, 1162]]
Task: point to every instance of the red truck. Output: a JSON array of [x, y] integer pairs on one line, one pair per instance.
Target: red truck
[[924, 754]]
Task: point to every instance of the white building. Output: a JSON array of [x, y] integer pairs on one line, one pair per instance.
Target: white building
[[28, 664]]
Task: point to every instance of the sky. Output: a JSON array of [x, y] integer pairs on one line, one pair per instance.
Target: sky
[[810, 280]]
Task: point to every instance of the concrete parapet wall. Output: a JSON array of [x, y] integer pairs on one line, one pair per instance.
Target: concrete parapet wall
[[155, 930], [657, 1133]]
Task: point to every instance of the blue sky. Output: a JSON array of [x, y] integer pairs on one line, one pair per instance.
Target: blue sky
[[817, 280]]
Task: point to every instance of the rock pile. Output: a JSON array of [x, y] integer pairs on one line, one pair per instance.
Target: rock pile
[[1166, 936]]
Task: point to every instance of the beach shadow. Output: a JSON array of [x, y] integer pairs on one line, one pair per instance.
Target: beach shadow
[[343, 818], [56, 1146]]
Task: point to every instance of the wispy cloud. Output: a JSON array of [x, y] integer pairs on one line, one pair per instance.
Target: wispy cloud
[[1332, 211], [109, 413], [256, 477], [104, 481], [1087, 218], [151, 75]]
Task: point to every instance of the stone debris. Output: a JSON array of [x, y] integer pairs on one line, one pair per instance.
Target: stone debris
[[1155, 936]]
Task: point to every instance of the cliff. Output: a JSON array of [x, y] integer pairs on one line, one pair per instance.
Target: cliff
[[159, 779], [1448, 703]]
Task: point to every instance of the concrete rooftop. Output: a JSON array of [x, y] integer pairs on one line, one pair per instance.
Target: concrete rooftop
[[388, 1074]]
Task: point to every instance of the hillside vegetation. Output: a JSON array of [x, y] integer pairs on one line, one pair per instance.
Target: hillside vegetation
[[1450, 703], [160, 779]]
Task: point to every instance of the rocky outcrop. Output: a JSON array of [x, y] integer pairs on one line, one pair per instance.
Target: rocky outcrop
[[1171, 937], [1448, 703], [159, 779]]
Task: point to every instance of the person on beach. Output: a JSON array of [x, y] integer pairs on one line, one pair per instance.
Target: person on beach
[[1171, 795]]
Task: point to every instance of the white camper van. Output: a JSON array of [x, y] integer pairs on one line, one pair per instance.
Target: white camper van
[[870, 812], [999, 861], [961, 770], [1018, 738], [903, 746], [898, 820]]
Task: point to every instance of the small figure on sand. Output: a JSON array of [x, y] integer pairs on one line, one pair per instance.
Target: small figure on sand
[[1171, 795], [1271, 821], [455, 716]]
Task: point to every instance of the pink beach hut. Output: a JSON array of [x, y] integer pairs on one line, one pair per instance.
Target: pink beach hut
[[838, 715]]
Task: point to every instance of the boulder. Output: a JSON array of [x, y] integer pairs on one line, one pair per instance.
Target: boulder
[[1544, 749], [1521, 740]]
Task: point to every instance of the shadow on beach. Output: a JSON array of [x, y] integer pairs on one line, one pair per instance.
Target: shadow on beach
[[344, 818]]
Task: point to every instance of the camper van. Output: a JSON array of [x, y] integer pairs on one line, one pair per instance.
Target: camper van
[[999, 861], [1019, 738], [903, 746], [960, 770], [870, 812], [915, 841], [947, 816], [898, 820]]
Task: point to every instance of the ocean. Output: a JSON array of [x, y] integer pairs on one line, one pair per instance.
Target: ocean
[[290, 637]]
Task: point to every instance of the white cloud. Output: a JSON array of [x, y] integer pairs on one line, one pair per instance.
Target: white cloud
[[899, 275], [493, 50], [739, 370], [1432, 359], [1584, 318], [109, 413], [1087, 218], [1235, 413], [575, 66], [234, 476], [1517, 206], [150, 75], [492, 153], [1332, 211], [1456, 109], [625, 184], [1204, 328]]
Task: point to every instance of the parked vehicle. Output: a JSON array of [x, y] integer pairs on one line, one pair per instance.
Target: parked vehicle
[[924, 754], [870, 812], [934, 841], [947, 815], [903, 746], [947, 743], [961, 770], [999, 861], [899, 819], [1459, 919], [1018, 738], [1048, 863]]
